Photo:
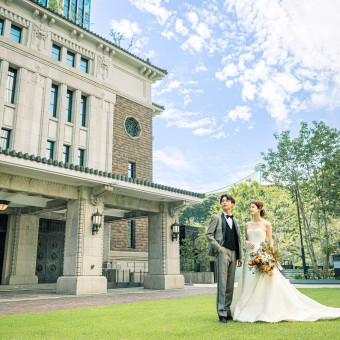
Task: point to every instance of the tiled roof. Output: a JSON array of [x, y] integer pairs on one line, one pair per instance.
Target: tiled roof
[[70, 166], [98, 36]]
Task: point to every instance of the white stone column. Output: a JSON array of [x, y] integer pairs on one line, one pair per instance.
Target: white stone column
[[106, 245], [164, 265], [3, 80], [24, 230], [83, 255]]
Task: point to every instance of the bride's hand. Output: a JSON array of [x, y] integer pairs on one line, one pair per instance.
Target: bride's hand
[[250, 245]]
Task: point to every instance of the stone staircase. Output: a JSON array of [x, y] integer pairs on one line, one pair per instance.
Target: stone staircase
[[289, 273]]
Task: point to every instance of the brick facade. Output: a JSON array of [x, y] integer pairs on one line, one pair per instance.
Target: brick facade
[[127, 149], [118, 237]]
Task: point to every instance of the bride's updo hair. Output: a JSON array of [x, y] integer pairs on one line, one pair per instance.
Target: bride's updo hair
[[259, 205]]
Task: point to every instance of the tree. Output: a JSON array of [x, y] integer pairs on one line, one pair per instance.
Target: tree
[[56, 6], [303, 164], [118, 37]]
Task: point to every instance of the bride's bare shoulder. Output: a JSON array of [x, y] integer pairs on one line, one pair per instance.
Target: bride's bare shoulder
[[267, 223]]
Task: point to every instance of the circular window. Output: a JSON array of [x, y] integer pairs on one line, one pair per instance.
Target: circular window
[[132, 127]]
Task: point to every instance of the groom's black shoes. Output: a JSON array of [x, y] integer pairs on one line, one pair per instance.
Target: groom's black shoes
[[223, 319], [229, 318]]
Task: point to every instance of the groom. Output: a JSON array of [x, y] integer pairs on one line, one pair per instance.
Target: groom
[[225, 243]]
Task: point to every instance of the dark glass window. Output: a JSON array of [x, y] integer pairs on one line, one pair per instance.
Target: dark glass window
[[132, 170], [66, 8], [87, 14], [73, 10], [84, 65], [1, 26], [49, 149], [5, 138], [53, 101], [66, 153], [81, 155], [56, 52], [80, 12], [15, 34], [70, 59], [83, 111], [68, 111], [10, 86], [131, 231], [132, 127]]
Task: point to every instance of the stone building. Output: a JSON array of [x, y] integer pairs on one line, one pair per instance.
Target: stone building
[[76, 186]]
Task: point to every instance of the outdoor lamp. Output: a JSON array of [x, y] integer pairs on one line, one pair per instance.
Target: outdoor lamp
[[4, 205], [96, 222], [175, 230]]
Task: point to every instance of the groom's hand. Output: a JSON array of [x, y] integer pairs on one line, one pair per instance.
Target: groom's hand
[[239, 262]]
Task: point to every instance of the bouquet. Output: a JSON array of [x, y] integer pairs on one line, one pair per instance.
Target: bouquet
[[265, 259]]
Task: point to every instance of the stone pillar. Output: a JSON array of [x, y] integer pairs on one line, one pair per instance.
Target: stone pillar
[[164, 266], [23, 233], [83, 255]]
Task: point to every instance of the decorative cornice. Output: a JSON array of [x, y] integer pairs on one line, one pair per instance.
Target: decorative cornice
[[14, 17], [97, 172]]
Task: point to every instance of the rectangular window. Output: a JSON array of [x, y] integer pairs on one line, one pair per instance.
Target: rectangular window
[[81, 154], [5, 138], [87, 14], [73, 10], [83, 111], [131, 231], [132, 170], [68, 111], [66, 8], [10, 86], [80, 12], [70, 59], [1, 26], [84, 65], [53, 101], [56, 52], [15, 34], [49, 149], [66, 153]]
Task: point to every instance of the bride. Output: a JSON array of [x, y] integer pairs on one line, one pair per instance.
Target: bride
[[270, 298]]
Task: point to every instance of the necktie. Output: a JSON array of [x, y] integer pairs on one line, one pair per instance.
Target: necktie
[[229, 216]]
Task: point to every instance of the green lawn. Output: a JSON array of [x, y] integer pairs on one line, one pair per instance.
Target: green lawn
[[188, 318]]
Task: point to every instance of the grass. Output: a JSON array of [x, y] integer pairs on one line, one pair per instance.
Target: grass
[[188, 318]]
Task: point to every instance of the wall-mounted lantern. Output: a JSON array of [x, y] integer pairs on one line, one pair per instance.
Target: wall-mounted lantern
[[175, 230], [96, 222], [4, 205]]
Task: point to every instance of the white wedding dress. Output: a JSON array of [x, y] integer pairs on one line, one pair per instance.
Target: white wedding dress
[[271, 298]]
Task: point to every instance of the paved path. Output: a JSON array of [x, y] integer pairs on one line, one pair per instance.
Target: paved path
[[35, 301], [19, 302]]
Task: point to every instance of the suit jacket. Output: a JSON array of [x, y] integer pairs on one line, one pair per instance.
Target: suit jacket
[[216, 234]]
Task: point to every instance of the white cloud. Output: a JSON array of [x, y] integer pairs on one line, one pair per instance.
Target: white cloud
[[241, 112], [172, 157], [200, 68], [153, 7], [281, 48], [125, 27], [193, 19], [168, 34], [194, 43], [180, 28], [172, 85], [203, 132], [229, 70], [203, 30]]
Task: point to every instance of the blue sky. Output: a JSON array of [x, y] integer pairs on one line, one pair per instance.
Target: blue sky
[[238, 71]]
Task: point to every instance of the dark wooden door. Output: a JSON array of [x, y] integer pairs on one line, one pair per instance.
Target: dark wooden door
[[3, 230], [50, 251]]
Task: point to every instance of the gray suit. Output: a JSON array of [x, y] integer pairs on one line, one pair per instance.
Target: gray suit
[[226, 262]]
